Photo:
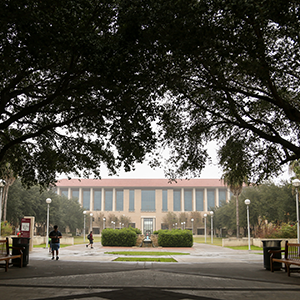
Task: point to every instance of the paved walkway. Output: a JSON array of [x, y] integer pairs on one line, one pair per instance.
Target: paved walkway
[[208, 272]]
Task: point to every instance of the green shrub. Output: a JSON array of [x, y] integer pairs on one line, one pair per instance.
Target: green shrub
[[6, 229], [285, 231], [175, 238], [136, 230], [124, 237]]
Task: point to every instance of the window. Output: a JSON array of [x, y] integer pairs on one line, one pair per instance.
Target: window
[[222, 196], [108, 200], [210, 199], [97, 199], [199, 200], [75, 194], [64, 192], [164, 200], [120, 201], [177, 200], [86, 199], [188, 206], [131, 200], [148, 200]]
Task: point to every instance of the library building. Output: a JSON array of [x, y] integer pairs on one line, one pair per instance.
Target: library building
[[144, 203]]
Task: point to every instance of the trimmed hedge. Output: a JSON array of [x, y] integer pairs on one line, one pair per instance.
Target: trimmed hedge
[[175, 238], [123, 237]]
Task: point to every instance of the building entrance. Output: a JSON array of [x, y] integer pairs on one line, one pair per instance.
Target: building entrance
[[148, 225]]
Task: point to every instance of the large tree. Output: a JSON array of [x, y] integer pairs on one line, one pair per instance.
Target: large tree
[[234, 73], [72, 97], [80, 80]]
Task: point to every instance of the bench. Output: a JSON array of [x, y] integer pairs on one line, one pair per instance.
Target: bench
[[291, 256], [6, 256]]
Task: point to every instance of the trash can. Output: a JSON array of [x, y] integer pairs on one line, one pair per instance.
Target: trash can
[[21, 242], [271, 245]]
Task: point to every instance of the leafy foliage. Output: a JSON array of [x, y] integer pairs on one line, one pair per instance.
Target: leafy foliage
[[32, 202], [123, 237], [233, 78], [72, 98], [175, 238], [269, 203]]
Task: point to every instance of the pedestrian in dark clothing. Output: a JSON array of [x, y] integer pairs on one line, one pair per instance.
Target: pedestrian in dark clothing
[[55, 235], [91, 239]]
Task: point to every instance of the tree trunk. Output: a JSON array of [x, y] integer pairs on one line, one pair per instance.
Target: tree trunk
[[8, 183], [237, 218]]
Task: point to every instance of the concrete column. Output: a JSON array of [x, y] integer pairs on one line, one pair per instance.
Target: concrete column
[[102, 199], [91, 199], [228, 195], [58, 191], [217, 201], [205, 199], [80, 197], [69, 193]]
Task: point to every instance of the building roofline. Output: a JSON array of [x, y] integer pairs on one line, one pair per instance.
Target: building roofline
[[139, 183]]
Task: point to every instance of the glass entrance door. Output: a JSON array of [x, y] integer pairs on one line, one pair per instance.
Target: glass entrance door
[[148, 226]]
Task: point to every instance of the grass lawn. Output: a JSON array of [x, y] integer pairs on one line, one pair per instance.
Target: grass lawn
[[201, 240], [246, 248], [155, 259], [149, 253]]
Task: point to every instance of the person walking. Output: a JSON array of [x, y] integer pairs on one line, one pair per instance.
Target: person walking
[[91, 240], [55, 235]]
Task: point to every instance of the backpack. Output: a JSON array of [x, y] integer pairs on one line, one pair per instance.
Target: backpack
[[88, 237]]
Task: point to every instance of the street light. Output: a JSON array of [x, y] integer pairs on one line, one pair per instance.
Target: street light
[[2, 185], [192, 220], [84, 217], [212, 227], [176, 225], [48, 201], [184, 225], [205, 215], [114, 223], [91, 225], [247, 202], [104, 223], [296, 183]]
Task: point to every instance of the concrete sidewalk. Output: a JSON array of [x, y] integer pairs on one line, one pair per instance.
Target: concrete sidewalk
[[208, 272]]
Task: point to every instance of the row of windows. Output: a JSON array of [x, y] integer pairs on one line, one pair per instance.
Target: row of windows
[[148, 201]]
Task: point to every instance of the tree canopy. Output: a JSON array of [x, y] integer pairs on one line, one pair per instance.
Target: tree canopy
[[71, 97], [66, 213], [86, 83], [269, 203], [234, 77]]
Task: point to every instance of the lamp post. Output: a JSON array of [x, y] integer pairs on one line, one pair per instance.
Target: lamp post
[[114, 223], [91, 221], [247, 202], [2, 185], [104, 223], [212, 226], [120, 225], [192, 220], [48, 201], [205, 215], [184, 225], [296, 183], [176, 225], [84, 217]]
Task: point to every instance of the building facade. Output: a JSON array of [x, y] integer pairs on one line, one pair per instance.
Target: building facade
[[144, 201]]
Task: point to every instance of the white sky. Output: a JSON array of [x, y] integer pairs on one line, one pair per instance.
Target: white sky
[[211, 171]]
